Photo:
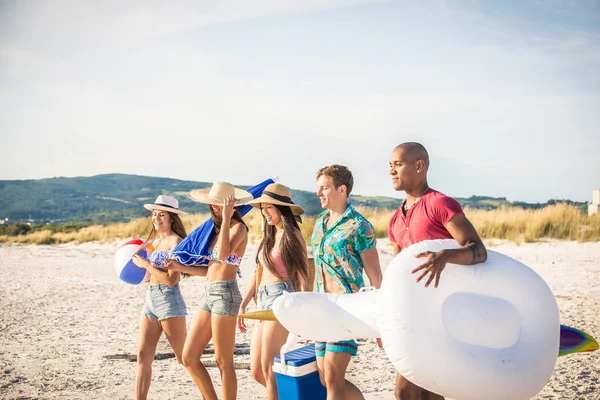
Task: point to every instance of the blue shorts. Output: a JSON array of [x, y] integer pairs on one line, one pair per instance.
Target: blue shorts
[[343, 346], [164, 302], [268, 293], [222, 298]]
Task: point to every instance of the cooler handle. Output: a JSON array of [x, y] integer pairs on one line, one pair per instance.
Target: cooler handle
[[291, 341]]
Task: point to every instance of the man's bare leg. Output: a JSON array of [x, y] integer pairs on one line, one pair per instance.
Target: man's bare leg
[[332, 371], [406, 390]]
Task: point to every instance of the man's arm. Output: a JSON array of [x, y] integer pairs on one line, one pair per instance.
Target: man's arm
[[370, 259], [472, 250], [396, 248]]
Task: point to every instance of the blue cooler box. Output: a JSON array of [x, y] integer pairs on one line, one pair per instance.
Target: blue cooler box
[[300, 379]]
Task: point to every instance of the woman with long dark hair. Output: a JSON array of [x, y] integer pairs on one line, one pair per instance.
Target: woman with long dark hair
[[164, 308], [282, 266], [218, 311]]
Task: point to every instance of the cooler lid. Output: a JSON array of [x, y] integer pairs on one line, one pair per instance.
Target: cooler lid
[[299, 357]]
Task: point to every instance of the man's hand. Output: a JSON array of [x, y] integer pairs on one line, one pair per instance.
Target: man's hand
[[433, 265]]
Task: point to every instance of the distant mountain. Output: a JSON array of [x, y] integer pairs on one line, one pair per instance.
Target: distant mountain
[[119, 197]]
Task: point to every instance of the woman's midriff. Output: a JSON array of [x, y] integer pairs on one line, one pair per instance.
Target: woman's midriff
[[218, 271], [269, 277], [155, 280]]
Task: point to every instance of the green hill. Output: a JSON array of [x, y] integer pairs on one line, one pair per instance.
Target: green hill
[[101, 198], [115, 197], [119, 197]]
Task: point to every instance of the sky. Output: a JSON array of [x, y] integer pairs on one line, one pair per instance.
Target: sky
[[504, 95]]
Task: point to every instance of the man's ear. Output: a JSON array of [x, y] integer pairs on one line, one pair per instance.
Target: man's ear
[[420, 166], [343, 189]]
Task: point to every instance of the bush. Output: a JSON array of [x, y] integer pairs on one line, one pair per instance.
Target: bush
[[19, 228]]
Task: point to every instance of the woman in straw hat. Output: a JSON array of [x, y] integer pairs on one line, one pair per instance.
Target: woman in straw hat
[[283, 265], [218, 311], [164, 309]]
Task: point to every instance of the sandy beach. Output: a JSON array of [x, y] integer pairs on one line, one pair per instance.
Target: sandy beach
[[64, 309]]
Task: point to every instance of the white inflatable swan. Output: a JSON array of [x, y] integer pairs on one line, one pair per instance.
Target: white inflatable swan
[[488, 331]]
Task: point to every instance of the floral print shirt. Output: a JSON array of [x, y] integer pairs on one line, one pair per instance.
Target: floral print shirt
[[337, 250]]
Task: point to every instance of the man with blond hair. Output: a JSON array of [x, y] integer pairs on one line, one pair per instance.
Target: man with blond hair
[[427, 214], [343, 244]]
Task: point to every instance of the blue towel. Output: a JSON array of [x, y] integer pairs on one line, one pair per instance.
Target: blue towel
[[194, 249]]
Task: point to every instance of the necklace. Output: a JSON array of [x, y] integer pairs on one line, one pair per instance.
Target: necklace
[[406, 207]]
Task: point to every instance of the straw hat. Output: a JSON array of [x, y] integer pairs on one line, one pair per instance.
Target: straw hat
[[165, 203], [218, 192], [278, 194]]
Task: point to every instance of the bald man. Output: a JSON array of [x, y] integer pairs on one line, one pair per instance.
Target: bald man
[[427, 214]]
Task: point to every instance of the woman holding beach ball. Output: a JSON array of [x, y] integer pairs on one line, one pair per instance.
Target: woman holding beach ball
[[282, 265], [164, 308], [222, 298]]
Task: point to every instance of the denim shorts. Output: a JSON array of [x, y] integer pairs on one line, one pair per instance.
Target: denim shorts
[[164, 302], [268, 293], [222, 298]]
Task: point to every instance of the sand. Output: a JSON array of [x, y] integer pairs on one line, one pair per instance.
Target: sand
[[63, 309]]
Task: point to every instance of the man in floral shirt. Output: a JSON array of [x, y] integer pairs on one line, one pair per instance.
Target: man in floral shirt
[[343, 244]]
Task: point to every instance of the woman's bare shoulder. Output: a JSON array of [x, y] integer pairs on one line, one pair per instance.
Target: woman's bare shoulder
[[174, 240], [237, 225]]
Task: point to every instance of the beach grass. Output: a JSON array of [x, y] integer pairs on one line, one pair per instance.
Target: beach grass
[[559, 221]]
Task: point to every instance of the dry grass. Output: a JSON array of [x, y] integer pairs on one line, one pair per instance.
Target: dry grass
[[559, 221]]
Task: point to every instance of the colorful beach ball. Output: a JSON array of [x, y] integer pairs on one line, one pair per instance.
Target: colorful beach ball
[[126, 270]]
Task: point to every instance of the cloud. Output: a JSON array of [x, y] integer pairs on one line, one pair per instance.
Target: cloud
[[42, 41], [73, 24]]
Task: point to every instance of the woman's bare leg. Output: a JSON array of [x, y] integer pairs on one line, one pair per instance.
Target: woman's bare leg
[[150, 332], [223, 328], [274, 336], [176, 332], [195, 343], [255, 354]]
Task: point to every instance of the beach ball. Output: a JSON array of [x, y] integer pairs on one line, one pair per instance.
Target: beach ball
[[126, 270]]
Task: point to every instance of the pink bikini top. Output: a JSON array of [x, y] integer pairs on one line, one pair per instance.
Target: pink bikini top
[[277, 260]]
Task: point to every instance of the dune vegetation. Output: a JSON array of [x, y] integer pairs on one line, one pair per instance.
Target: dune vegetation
[[559, 221]]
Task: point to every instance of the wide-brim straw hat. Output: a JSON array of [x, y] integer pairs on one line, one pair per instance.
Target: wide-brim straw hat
[[165, 203], [276, 193], [218, 192]]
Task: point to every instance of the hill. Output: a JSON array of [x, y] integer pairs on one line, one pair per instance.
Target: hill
[[119, 197]]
